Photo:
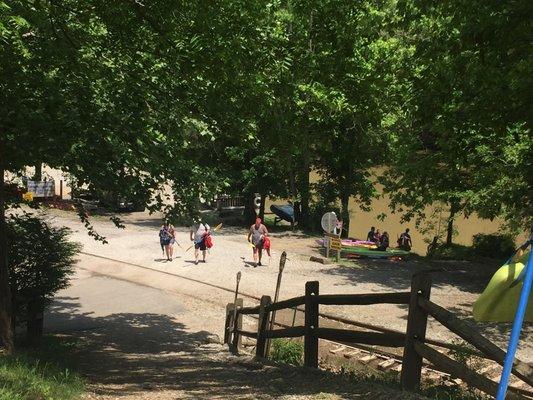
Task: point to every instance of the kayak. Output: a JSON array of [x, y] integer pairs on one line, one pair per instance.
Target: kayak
[[364, 252], [358, 244], [350, 242], [499, 300]]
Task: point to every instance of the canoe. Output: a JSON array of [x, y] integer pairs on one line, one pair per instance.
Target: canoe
[[499, 300]]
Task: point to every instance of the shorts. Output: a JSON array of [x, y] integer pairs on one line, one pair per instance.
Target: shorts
[[164, 242], [258, 246], [200, 246]]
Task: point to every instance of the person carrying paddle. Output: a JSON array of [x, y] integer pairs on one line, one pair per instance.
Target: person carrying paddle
[[258, 232], [167, 237], [199, 234]]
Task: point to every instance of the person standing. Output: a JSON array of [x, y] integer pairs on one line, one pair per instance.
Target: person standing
[[384, 242], [198, 235], [404, 242], [258, 232], [370, 237], [167, 237], [377, 237]]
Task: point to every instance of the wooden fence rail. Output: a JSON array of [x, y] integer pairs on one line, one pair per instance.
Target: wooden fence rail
[[364, 299], [416, 347], [460, 328]]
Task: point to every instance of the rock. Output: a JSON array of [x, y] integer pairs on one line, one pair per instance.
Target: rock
[[320, 260], [212, 339]]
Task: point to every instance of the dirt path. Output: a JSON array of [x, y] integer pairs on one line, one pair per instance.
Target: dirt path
[[142, 342], [456, 288]]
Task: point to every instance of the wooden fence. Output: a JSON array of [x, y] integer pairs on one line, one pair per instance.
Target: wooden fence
[[415, 346]]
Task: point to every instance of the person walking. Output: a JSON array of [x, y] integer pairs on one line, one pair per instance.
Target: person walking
[[198, 235], [258, 232], [167, 237], [404, 242]]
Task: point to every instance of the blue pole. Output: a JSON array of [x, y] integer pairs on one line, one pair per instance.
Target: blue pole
[[517, 327]]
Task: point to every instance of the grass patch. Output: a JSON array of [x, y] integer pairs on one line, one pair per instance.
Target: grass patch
[[40, 373], [287, 351]]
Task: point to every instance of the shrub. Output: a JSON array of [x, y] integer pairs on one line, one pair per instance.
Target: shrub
[[287, 351], [41, 260], [493, 245], [452, 252]]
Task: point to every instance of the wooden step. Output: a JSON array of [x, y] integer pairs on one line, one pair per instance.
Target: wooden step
[[385, 365]]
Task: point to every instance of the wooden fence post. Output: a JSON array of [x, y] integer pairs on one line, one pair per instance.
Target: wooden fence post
[[311, 324], [416, 330], [227, 325], [282, 261], [237, 325], [262, 324]]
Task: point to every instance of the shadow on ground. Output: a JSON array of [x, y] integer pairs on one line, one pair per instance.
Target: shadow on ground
[[125, 354], [396, 275]]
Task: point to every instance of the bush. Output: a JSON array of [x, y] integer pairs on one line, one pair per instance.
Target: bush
[[452, 252], [41, 260], [493, 245], [287, 351]]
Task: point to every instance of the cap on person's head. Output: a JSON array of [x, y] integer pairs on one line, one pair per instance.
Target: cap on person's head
[[258, 221], [373, 228], [407, 230]]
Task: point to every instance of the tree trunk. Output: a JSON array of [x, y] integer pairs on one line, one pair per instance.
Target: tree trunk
[[449, 230], [294, 193], [304, 191], [38, 172], [249, 209], [345, 214], [262, 207], [6, 333], [35, 321]]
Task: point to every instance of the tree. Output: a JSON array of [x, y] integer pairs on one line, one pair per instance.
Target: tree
[[41, 262], [466, 141]]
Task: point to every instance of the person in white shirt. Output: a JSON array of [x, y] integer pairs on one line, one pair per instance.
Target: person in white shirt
[[198, 234]]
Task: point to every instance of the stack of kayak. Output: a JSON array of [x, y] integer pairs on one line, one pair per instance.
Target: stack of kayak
[[361, 248]]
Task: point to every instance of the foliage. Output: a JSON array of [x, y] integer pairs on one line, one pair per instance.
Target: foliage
[[464, 353], [41, 260], [39, 373], [287, 351], [453, 252], [466, 142], [493, 245]]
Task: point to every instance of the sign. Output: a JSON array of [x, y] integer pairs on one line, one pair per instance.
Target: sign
[[335, 243], [42, 188], [27, 196]]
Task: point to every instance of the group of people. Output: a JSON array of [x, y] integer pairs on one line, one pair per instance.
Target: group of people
[[200, 235], [383, 242]]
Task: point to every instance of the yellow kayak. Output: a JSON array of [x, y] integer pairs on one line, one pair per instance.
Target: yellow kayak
[[499, 300]]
